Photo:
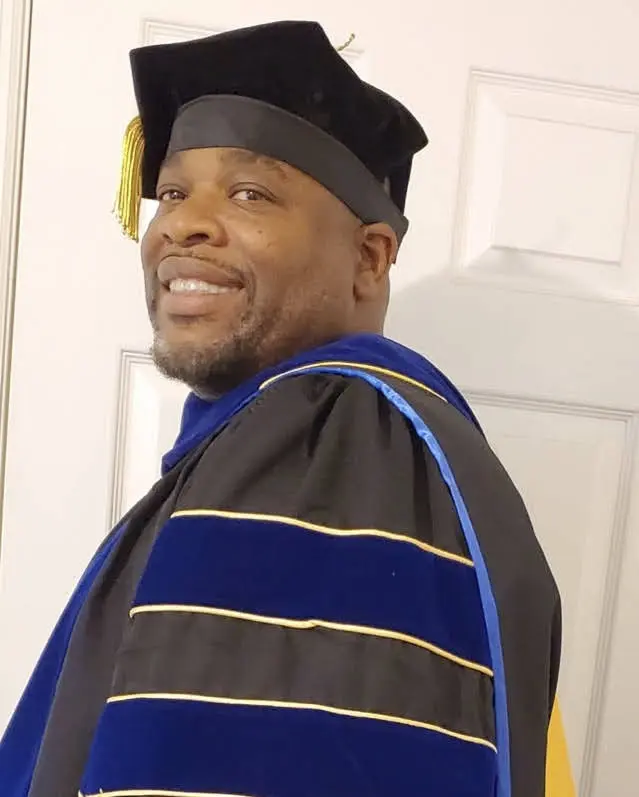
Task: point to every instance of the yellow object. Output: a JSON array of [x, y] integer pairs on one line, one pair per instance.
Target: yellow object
[[346, 44], [559, 780], [129, 197]]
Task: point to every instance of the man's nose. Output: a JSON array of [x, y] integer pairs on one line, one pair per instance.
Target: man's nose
[[194, 221]]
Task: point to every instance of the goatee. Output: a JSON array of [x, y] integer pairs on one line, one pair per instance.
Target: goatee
[[209, 369]]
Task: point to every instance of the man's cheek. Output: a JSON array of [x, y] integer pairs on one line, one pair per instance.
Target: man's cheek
[[152, 291]]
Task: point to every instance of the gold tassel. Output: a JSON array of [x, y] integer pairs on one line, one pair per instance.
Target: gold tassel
[[346, 44], [129, 196]]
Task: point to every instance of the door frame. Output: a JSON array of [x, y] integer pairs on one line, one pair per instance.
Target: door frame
[[15, 39]]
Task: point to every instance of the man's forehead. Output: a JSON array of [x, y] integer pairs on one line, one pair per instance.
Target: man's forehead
[[230, 156]]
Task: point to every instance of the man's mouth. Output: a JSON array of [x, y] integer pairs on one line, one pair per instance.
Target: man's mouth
[[191, 287], [192, 298]]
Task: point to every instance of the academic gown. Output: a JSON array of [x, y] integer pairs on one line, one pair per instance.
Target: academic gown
[[333, 591]]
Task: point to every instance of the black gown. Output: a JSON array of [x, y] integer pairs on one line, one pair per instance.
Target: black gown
[[332, 452]]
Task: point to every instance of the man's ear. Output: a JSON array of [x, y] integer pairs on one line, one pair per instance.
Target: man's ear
[[378, 245]]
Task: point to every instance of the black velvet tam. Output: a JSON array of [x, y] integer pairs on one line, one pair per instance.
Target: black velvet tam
[[284, 91]]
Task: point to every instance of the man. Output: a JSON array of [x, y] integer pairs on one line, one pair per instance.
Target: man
[[334, 590]]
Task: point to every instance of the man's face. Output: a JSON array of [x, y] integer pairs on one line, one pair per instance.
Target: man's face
[[246, 262]]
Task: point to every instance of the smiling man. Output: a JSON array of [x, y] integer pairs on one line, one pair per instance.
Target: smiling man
[[334, 589], [262, 278]]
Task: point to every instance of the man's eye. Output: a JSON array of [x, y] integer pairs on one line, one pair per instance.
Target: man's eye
[[250, 195], [170, 195]]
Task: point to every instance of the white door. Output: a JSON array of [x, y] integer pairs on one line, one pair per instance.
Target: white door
[[520, 278]]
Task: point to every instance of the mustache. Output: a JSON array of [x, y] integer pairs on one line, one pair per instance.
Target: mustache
[[177, 262]]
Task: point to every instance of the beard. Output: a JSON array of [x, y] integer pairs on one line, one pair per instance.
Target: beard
[[266, 334], [213, 367], [210, 368]]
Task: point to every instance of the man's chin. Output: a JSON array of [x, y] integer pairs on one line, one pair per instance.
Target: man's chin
[[211, 368], [179, 358]]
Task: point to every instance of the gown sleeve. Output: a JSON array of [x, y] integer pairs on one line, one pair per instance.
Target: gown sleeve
[[309, 623]]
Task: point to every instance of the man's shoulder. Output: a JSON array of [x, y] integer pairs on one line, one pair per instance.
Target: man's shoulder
[[356, 414], [337, 450], [358, 391]]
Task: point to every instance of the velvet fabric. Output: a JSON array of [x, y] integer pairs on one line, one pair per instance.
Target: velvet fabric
[[20, 744], [192, 747], [291, 66], [282, 570]]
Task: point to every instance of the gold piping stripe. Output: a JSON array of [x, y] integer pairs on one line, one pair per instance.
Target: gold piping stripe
[[158, 793], [361, 366], [303, 524], [309, 624], [304, 707]]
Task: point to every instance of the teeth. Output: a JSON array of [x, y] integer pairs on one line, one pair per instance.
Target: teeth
[[196, 286]]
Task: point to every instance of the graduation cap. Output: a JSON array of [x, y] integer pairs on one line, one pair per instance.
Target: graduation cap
[[280, 90]]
